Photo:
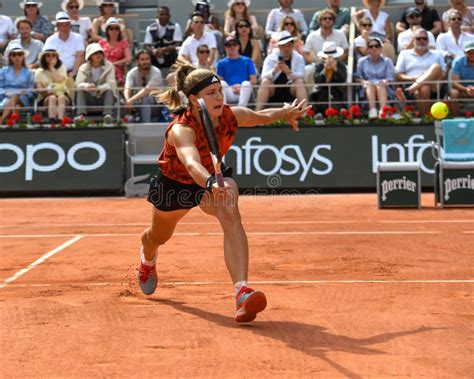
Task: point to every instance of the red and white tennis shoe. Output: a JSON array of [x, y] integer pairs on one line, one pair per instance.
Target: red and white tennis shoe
[[147, 278], [249, 303]]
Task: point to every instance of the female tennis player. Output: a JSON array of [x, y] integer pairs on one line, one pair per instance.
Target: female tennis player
[[185, 178]]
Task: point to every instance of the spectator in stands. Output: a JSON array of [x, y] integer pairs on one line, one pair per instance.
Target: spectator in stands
[[249, 46], [107, 9], [287, 23], [51, 80], [7, 31], [116, 49], [375, 72], [162, 38], [33, 46], [42, 27], [16, 82], [343, 17], [188, 49], [276, 14], [430, 20], [79, 24], [467, 13], [282, 67], [238, 10], [69, 45], [95, 83], [463, 78], [202, 52], [142, 81], [237, 74], [211, 22], [380, 19], [326, 32], [418, 67], [329, 69], [405, 38], [453, 41]]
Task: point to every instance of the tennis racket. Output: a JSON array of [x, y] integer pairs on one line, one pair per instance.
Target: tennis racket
[[212, 142]]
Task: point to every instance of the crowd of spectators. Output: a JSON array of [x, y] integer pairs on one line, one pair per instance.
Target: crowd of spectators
[[75, 63]]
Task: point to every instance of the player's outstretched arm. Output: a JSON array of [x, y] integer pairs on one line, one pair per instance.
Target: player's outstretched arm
[[289, 112]]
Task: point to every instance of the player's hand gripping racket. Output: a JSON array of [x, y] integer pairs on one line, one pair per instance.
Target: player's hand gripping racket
[[212, 142]]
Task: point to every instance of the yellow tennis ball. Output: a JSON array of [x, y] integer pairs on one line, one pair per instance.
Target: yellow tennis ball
[[439, 110]]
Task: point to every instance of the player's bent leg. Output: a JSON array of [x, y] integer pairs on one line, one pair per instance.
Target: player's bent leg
[[160, 231], [248, 301]]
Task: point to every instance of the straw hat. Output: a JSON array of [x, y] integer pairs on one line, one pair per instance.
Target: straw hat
[[284, 37], [113, 21], [232, 2], [66, 2], [15, 47], [62, 17], [46, 50], [30, 2], [102, 2], [330, 50]]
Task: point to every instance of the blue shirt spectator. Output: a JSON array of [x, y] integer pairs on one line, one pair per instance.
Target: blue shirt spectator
[[12, 84], [235, 71], [464, 70]]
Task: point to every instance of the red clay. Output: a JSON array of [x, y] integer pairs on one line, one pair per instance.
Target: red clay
[[352, 291]]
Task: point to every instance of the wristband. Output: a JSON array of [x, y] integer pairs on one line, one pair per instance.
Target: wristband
[[210, 182]]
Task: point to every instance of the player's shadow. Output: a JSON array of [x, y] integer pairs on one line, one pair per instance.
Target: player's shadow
[[310, 339]]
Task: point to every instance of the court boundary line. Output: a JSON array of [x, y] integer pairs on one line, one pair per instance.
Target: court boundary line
[[301, 222], [263, 282], [40, 260], [282, 233]]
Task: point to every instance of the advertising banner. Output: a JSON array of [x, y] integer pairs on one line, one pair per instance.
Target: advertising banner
[[331, 157], [61, 160]]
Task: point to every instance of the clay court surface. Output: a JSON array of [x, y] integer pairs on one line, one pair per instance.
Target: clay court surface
[[352, 291]]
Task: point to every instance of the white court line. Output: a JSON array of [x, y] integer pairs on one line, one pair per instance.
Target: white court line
[[40, 260], [296, 222], [210, 234], [270, 282]]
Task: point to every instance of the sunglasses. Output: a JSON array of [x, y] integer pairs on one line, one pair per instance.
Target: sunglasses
[[328, 18], [107, 5], [456, 19], [421, 38], [30, 5], [198, 22], [231, 44], [366, 25], [203, 51], [50, 55], [239, 4], [114, 28], [289, 23], [373, 46], [243, 26], [16, 54], [414, 16], [73, 7]]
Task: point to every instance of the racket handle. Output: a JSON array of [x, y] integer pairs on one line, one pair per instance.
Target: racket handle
[[220, 180]]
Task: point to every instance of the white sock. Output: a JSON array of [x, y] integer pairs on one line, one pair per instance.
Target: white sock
[[145, 262], [239, 285]]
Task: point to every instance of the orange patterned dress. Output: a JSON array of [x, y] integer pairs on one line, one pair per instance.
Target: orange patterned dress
[[169, 163]]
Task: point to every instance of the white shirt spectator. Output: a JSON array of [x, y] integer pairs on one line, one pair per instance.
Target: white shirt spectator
[[406, 36], [67, 49], [447, 43], [412, 64], [177, 35], [190, 45], [275, 16], [7, 29], [378, 25], [297, 66], [82, 27], [314, 42]]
